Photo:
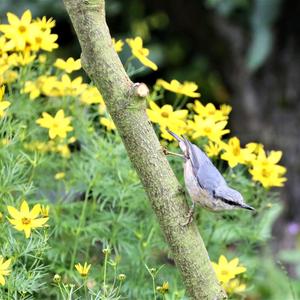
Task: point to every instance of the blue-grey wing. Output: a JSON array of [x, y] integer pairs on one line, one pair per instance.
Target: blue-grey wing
[[208, 176]]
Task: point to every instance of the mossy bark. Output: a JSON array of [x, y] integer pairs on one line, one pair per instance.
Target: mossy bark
[[128, 111]]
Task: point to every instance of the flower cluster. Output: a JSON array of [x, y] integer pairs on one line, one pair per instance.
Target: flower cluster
[[21, 40], [60, 147], [52, 86], [227, 271], [209, 124], [20, 44]]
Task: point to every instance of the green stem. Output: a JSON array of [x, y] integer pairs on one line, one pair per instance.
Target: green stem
[[128, 61], [61, 292], [177, 99], [119, 289], [85, 289], [182, 103], [80, 226], [104, 272], [153, 286]]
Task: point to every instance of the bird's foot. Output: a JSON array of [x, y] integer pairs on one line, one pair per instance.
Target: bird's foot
[[190, 216], [167, 152]]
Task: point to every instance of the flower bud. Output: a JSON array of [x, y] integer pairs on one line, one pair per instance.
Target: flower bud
[[57, 278], [121, 277], [106, 251]]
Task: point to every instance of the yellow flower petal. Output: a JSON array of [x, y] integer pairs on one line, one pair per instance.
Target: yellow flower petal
[[24, 207], [13, 212]]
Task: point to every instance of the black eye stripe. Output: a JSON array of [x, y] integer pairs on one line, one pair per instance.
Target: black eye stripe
[[229, 202]]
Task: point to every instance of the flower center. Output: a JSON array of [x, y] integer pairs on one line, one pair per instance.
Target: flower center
[[38, 40], [142, 51], [236, 151], [22, 29], [265, 172], [26, 221], [55, 125], [165, 114], [207, 130], [224, 272]]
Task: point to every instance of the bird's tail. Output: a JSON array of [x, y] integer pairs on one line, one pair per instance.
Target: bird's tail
[[175, 136], [182, 142]]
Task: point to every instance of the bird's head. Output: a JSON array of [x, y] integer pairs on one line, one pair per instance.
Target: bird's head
[[231, 197]]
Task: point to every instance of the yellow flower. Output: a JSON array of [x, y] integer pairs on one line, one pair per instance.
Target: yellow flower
[[51, 86], [255, 147], [45, 211], [108, 123], [265, 169], [45, 24], [187, 88], [118, 45], [23, 34], [165, 116], [18, 30], [208, 127], [34, 88], [141, 53], [63, 150], [234, 287], [3, 104], [42, 39], [212, 149], [68, 65], [4, 269], [235, 155], [21, 59], [5, 46], [8, 77], [227, 270], [91, 96], [225, 109], [209, 110], [25, 220], [83, 270], [42, 58], [164, 288], [58, 125], [59, 175], [71, 87]]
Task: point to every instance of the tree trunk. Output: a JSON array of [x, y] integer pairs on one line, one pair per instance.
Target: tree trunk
[[126, 103]]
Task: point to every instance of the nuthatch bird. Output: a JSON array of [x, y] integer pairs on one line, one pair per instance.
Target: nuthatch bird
[[204, 183]]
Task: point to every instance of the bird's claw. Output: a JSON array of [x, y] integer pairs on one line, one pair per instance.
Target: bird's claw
[[165, 151], [189, 217]]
